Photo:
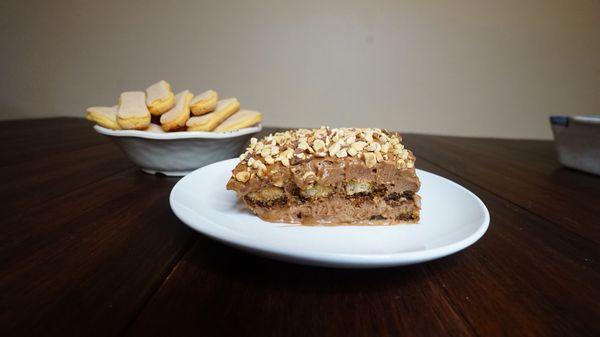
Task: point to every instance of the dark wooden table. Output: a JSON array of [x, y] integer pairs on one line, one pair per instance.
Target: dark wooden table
[[90, 247]]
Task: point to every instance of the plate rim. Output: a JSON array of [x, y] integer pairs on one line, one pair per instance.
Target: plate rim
[[332, 259]]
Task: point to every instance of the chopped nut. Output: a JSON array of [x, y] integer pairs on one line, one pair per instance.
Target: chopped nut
[[334, 149], [341, 153], [400, 163], [289, 153], [309, 176], [266, 151], [278, 182], [260, 166], [352, 151], [318, 145], [269, 160], [410, 164], [370, 159], [359, 146], [242, 176], [285, 161], [378, 156], [321, 154], [251, 162], [373, 146], [274, 150], [257, 164], [303, 145]]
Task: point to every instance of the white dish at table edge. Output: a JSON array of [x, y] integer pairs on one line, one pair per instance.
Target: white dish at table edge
[[201, 201], [178, 153]]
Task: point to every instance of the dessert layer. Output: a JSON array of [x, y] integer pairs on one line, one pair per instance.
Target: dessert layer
[[329, 176]]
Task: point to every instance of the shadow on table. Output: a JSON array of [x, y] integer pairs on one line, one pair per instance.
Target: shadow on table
[[236, 265]]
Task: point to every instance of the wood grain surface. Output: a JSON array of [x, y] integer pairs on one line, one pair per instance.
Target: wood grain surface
[[90, 247]]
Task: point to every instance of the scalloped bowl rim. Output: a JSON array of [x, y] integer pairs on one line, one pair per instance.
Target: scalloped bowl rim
[[178, 135]]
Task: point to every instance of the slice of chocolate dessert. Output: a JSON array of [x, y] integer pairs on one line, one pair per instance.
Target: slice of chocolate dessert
[[329, 176]]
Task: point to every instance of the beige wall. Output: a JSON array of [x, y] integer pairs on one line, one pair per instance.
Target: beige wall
[[479, 68]]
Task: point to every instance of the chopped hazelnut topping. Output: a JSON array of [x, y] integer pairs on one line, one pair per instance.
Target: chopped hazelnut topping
[[303, 145], [334, 149], [291, 148], [359, 146], [266, 151], [341, 153], [259, 146], [370, 159], [242, 176], [274, 150], [309, 177], [318, 145]]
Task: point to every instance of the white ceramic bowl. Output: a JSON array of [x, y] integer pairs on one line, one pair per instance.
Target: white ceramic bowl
[[178, 153]]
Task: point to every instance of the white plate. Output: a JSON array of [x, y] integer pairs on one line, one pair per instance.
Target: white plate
[[452, 218]]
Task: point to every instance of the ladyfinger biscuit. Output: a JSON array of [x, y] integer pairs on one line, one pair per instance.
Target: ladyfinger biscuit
[[154, 128], [204, 103], [132, 112], [159, 98], [103, 116], [241, 119], [210, 121], [175, 118]]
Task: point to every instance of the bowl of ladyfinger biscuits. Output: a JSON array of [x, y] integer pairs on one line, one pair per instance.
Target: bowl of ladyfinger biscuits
[[174, 134]]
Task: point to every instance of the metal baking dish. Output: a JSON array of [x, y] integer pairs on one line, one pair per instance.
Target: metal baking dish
[[577, 141]]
